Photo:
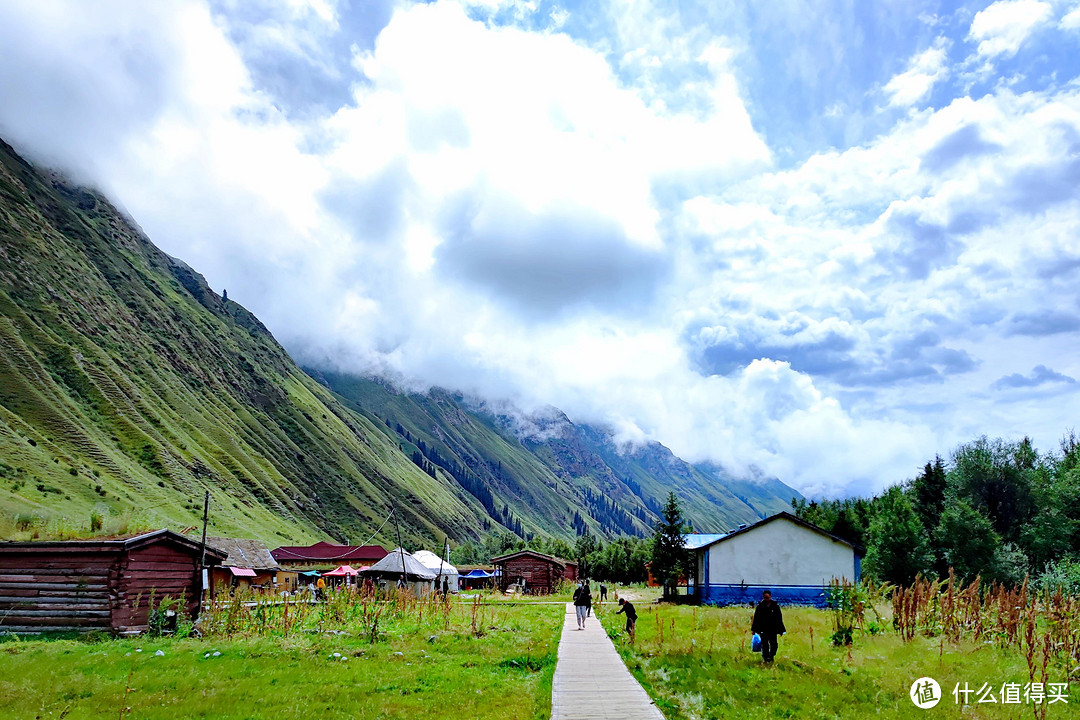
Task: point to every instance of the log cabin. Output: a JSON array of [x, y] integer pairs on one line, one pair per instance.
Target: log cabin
[[539, 573], [104, 585]]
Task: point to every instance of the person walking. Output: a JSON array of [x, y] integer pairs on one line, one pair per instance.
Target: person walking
[[582, 603], [445, 586], [768, 624], [603, 592], [627, 608]]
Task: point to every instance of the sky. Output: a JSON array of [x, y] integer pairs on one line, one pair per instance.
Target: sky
[[823, 240]]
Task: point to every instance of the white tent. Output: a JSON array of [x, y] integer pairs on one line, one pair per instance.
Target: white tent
[[437, 565]]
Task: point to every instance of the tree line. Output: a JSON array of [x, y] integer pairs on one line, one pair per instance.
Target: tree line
[[996, 509]]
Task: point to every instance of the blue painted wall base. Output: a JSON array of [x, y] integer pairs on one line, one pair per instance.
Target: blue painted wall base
[[747, 594]]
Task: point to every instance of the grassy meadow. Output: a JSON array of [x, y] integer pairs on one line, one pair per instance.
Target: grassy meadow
[[696, 663], [349, 658]]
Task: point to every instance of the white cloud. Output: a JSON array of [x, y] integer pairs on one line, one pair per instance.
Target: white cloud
[[521, 215], [1071, 19], [924, 71], [1003, 26]]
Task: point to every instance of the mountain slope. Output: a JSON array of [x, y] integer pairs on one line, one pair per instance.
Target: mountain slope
[[128, 386], [542, 465]]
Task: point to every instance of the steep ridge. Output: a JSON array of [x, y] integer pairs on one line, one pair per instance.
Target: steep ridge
[[127, 386], [546, 461]]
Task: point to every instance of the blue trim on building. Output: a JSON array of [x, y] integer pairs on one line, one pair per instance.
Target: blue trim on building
[[718, 594], [858, 567]]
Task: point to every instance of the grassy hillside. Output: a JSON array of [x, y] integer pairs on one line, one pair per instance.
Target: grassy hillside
[[546, 467], [128, 388]]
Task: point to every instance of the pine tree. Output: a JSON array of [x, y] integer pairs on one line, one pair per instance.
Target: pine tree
[[669, 557]]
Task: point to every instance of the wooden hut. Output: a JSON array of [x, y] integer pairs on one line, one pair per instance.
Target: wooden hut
[[83, 585], [250, 565], [540, 574]]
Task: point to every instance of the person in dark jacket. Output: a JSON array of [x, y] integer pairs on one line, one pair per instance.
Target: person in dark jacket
[[582, 603], [627, 608], [768, 623]]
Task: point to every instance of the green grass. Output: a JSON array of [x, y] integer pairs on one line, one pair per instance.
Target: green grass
[[504, 673], [696, 663]]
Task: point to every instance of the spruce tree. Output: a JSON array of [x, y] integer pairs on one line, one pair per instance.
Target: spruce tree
[[669, 556]]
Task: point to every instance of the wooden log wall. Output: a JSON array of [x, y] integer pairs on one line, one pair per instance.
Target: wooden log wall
[[150, 575], [50, 592], [540, 575]]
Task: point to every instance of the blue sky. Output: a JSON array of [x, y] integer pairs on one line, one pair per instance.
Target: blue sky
[[823, 240]]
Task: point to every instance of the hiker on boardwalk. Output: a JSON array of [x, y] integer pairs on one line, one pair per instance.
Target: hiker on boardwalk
[[582, 603], [627, 608], [768, 623]]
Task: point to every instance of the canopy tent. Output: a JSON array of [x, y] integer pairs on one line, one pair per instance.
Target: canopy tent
[[440, 567], [475, 579], [400, 564], [312, 573], [342, 571]]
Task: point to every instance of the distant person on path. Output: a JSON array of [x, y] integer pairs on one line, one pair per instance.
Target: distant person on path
[[768, 623], [582, 603], [627, 608], [445, 586], [320, 589], [603, 592]]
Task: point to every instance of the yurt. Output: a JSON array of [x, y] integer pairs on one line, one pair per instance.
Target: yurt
[[440, 567], [400, 564]]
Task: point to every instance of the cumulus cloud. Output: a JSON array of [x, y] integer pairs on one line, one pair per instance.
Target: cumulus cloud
[[923, 72], [587, 213], [1040, 375], [1003, 26]]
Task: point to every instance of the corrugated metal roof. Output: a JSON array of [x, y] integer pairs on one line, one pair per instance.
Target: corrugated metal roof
[[328, 551], [695, 540]]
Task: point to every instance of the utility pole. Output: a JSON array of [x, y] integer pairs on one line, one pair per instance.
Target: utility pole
[[397, 528], [202, 558]]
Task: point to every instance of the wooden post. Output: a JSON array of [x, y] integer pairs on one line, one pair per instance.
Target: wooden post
[[202, 557]]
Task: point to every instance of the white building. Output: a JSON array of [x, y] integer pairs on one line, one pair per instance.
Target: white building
[[794, 559]]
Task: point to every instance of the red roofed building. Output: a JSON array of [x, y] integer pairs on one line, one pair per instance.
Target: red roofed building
[[327, 555]]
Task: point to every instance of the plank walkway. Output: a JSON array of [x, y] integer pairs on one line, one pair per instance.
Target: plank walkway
[[591, 682]]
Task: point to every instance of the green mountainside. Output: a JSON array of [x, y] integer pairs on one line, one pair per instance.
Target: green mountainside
[[128, 388], [546, 468]]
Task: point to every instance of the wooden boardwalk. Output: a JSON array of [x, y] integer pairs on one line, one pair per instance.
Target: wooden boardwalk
[[591, 682]]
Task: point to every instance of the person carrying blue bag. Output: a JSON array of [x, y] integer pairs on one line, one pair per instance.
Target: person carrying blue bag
[[768, 624]]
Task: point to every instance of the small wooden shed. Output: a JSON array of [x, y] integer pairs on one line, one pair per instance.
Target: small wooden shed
[[539, 573], [249, 565], [83, 585]]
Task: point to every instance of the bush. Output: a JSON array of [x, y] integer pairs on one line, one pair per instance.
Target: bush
[[1061, 575]]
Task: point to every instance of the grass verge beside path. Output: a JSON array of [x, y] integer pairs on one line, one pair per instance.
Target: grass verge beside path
[[504, 673], [695, 662]]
